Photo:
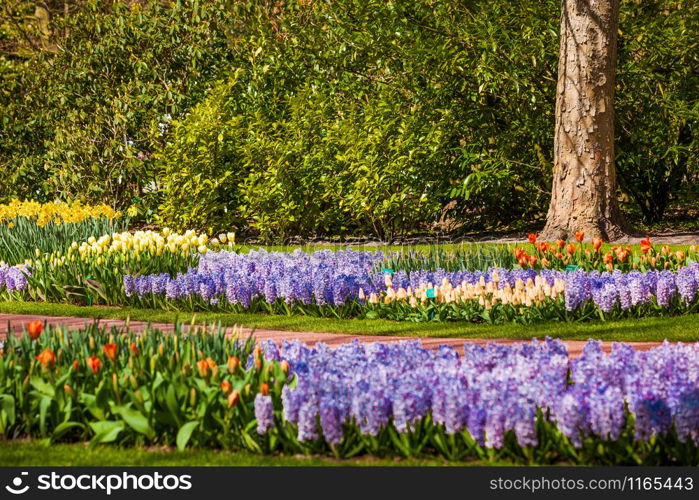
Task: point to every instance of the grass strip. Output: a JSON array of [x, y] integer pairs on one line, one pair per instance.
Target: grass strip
[[673, 328]]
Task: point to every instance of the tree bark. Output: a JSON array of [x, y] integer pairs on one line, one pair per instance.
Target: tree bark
[[583, 197]]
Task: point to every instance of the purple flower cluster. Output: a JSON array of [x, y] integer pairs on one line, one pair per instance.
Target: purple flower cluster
[[323, 277], [632, 288], [489, 390], [326, 277], [13, 278]]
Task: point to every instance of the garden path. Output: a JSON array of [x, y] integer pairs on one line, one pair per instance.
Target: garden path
[[15, 323]]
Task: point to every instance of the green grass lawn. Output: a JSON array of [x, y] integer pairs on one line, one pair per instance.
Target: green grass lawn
[[33, 453], [678, 328]]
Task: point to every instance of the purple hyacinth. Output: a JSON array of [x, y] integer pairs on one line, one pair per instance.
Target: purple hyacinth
[[264, 413]]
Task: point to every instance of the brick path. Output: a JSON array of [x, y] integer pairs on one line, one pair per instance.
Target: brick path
[[16, 322]]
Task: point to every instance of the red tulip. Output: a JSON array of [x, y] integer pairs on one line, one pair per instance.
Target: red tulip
[[233, 398], [110, 350], [94, 363], [580, 236], [532, 237]]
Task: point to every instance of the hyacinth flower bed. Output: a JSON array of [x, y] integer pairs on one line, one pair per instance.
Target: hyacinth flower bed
[[349, 284], [525, 404]]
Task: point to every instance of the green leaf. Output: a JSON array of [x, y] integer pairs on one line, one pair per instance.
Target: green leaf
[[185, 433], [136, 420]]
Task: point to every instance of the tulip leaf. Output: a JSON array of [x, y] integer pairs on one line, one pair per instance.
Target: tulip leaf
[[43, 387], [7, 406], [136, 420], [185, 433], [64, 427], [105, 432]]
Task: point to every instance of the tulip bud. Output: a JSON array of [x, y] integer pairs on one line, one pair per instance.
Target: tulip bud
[[115, 383], [233, 398], [67, 389], [133, 381], [193, 397], [139, 396], [233, 363], [264, 389], [225, 387], [284, 365]]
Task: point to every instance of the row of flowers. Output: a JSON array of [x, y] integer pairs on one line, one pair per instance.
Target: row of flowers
[[592, 255], [54, 212], [529, 403], [350, 281]]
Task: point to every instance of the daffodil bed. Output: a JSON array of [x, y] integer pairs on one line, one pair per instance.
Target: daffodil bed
[[528, 404]]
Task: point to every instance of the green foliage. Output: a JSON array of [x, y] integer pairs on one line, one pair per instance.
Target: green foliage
[[329, 118], [331, 128], [657, 105], [82, 120]]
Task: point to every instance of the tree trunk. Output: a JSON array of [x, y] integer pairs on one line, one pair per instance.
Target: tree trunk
[[583, 197]]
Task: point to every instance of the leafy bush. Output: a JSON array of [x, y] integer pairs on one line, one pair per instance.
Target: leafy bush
[[82, 121], [378, 131]]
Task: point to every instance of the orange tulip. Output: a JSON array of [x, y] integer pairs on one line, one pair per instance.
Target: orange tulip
[[226, 387], [76, 365], [211, 363], [47, 357], [522, 261], [646, 245], [679, 255], [561, 244], [519, 253], [134, 348], [34, 329], [543, 247], [580, 236], [666, 250], [233, 363], [608, 258], [559, 255], [622, 255], [545, 262], [94, 363], [110, 350], [596, 244], [532, 260], [653, 260], [571, 249], [203, 368], [264, 389], [532, 237]]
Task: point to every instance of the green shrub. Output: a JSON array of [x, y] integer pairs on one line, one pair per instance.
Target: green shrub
[[83, 120]]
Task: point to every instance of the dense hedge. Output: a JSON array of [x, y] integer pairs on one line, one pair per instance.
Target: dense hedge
[[346, 117]]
